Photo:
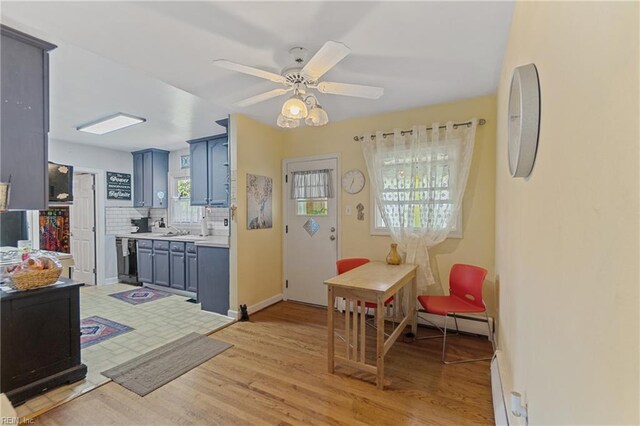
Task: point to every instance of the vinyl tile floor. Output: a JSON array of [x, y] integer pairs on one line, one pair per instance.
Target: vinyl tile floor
[[155, 323]]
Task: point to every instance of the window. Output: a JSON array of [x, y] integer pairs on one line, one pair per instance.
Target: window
[[418, 192], [313, 207], [181, 210], [312, 189]]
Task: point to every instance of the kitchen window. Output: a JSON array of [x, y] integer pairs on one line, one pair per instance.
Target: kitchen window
[[181, 211], [430, 194]]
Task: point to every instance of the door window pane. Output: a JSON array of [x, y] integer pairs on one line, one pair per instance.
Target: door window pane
[[314, 207]]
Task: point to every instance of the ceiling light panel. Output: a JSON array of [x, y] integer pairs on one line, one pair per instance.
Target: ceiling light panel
[[110, 124]]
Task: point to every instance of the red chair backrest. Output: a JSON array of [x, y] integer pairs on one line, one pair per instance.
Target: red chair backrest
[[465, 282], [345, 265]]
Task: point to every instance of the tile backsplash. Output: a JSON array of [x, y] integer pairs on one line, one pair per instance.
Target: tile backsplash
[[119, 218], [215, 222]]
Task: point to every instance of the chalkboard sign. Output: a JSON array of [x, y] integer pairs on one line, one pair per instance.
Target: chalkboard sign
[[118, 186]]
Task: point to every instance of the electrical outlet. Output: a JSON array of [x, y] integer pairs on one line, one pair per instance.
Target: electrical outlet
[[226, 222]]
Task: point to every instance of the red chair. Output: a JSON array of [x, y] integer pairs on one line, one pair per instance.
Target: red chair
[[345, 265], [465, 297]]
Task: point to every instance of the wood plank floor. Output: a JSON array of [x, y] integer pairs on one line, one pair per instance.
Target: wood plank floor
[[276, 373]]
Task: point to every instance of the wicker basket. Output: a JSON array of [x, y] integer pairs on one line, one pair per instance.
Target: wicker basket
[[29, 279]]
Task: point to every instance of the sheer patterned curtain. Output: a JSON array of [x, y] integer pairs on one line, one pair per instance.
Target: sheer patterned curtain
[[418, 179], [311, 184]]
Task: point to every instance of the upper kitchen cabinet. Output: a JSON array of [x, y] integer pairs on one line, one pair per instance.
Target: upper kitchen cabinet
[[150, 178], [24, 77], [210, 171]]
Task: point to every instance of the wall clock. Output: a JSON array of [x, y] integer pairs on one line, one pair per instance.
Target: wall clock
[[353, 181], [523, 120]]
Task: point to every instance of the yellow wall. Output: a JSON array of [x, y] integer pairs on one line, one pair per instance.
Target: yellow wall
[[256, 261], [477, 246], [567, 237]]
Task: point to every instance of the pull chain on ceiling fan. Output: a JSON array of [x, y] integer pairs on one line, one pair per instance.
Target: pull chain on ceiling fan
[[298, 78]]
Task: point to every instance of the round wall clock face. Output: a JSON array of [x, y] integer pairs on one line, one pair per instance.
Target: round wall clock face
[[353, 181], [523, 120]]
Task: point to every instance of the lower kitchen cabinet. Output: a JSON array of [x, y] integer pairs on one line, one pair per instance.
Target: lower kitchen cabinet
[[161, 260], [213, 279], [145, 262], [177, 267], [191, 266]]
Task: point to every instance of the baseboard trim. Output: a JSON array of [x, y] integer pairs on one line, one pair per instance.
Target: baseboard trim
[[113, 280], [465, 325], [257, 306]]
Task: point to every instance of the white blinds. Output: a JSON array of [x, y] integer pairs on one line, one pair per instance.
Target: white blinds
[[311, 184]]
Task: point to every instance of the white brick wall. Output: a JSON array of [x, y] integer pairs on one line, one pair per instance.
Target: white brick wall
[[119, 218], [215, 222]]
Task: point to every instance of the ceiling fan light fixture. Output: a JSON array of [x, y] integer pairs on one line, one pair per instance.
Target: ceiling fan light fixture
[[294, 108], [287, 123], [317, 117]]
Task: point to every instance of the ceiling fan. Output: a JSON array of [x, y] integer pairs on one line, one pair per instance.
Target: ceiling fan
[[298, 78]]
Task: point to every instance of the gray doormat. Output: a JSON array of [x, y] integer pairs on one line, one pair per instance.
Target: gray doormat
[[148, 372]]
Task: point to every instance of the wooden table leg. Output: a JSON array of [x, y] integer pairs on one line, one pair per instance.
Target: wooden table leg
[[330, 342], [380, 343], [412, 306]]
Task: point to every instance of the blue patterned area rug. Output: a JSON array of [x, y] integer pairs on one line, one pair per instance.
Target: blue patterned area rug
[[140, 295], [95, 329]]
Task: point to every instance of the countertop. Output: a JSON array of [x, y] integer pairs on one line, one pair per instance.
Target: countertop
[[208, 241], [61, 283]]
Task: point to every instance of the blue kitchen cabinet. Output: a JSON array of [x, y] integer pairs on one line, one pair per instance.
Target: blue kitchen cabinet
[[161, 269], [199, 180], [218, 159], [177, 267], [145, 261], [210, 171], [213, 279], [150, 181], [191, 266], [24, 79]]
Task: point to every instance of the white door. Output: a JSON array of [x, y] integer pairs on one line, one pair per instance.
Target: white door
[[82, 223], [311, 237]]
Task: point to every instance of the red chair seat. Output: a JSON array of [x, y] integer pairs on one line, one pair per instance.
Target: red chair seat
[[443, 305], [373, 305]]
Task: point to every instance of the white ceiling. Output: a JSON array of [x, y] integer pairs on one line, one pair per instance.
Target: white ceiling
[[154, 59]]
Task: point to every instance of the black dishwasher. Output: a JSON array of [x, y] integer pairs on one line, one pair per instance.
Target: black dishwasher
[[127, 262]]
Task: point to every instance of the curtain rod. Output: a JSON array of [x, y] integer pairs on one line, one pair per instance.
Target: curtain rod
[[481, 122]]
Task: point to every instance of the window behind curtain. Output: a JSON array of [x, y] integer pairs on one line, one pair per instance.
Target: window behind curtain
[[181, 210], [430, 192]]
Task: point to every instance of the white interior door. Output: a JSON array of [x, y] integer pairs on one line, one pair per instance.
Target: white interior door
[[311, 251], [83, 231]]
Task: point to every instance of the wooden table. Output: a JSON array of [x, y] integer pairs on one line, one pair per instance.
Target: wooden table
[[372, 282]]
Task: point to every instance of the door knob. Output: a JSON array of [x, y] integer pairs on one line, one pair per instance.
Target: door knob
[[332, 237]]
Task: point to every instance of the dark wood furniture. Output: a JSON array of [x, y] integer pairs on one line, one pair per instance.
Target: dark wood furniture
[[24, 93], [40, 340]]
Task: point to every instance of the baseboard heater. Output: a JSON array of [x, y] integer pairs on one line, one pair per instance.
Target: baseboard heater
[[497, 392]]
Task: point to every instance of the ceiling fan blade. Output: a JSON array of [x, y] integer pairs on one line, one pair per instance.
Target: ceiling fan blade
[[357, 90], [262, 97], [223, 63], [326, 58]]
